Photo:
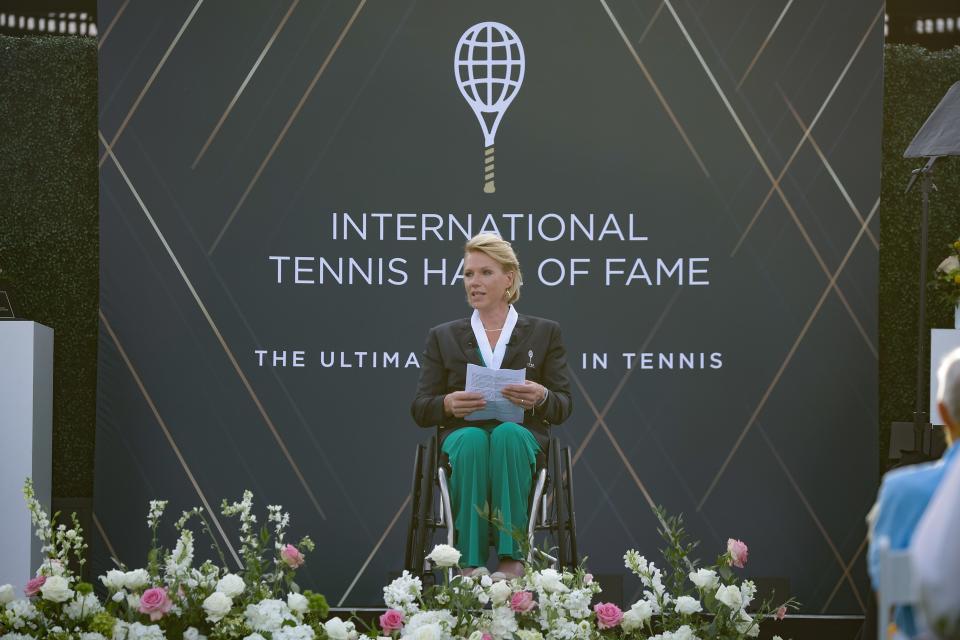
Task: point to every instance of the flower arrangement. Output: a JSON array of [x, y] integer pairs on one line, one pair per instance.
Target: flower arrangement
[[689, 603], [946, 279], [171, 597]]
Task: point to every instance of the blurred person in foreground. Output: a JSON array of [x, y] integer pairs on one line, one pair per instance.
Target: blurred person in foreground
[[906, 493]]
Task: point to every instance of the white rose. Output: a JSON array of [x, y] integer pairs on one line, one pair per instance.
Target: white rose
[[192, 633], [687, 605], [486, 581], [638, 614], [427, 632], [298, 603], [443, 555], [500, 592], [705, 579], [56, 589], [550, 581], [231, 585], [217, 605], [684, 633], [136, 579], [336, 629], [113, 580], [7, 594], [949, 265], [729, 596], [746, 625]]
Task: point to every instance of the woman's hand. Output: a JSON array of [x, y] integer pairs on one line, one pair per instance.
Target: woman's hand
[[527, 395], [460, 403]]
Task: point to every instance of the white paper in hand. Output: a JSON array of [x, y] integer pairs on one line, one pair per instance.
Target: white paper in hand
[[490, 382]]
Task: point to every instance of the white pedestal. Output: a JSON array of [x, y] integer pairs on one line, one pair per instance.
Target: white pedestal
[[26, 426], [942, 342]]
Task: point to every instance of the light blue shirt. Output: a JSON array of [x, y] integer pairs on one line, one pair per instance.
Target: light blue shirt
[[901, 502]]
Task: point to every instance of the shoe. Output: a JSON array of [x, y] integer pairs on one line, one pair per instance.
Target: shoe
[[498, 576], [474, 572]]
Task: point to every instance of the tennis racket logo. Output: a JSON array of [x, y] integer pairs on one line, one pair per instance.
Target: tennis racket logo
[[488, 65]]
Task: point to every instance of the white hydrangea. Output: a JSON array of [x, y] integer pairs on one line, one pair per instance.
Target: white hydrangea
[[503, 623], [267, 615], [442, 619], [577, 602], [254, 636], [192, 633], [91, 635], [17, 636], [137, 631], [83, 607], [403, 593], [20, 612], [299, 632]]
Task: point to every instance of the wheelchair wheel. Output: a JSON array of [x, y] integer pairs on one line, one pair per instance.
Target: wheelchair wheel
[[563, 525], [420, 530]]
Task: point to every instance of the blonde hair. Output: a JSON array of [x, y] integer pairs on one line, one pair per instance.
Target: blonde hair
[[502, 252]]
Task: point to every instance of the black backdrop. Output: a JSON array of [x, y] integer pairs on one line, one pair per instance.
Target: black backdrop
[[236, 131]]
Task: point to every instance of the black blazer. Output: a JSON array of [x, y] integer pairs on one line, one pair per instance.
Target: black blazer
[[443, 369]]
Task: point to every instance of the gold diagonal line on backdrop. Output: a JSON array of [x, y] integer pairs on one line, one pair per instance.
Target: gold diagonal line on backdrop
[[788, 358], [846, 573], [243, 86], [626, 376], [623, 457], [829, 168], [613, 441], [170, 440], [656, 89], [816, 118], [223, 343], [812, 513], [146, 87], [286, 127], [656, 14], [116, 16], [766, 41], [106, 540], [376, 548], [775, 181]]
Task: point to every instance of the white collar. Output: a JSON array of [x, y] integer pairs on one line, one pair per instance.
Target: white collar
[[493, 358]]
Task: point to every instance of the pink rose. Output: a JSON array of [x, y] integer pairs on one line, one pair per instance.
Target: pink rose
[[738, 552], [33, 586], [486, 636], [292, 556], [781, 613], [522, 602], [588, 578], [155, 602], [392, 620], [608, 615]]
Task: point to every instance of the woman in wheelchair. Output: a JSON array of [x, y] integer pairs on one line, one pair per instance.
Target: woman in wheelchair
[[492, 463]]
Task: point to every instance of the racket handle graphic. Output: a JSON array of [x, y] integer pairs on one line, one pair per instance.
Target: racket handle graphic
[[488, 186]]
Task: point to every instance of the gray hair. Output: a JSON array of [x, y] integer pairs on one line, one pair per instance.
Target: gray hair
[[948, 381]]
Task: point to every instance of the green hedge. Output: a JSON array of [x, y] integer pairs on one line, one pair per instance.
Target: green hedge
[[49, 235], [915, 81]]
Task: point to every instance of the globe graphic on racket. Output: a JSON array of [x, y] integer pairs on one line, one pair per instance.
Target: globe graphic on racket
[[488, 65]]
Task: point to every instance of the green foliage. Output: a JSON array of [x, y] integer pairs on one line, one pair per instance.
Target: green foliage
[[915, 81], [49, 240]]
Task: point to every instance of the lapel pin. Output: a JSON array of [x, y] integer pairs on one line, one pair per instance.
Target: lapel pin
[[530, 357]]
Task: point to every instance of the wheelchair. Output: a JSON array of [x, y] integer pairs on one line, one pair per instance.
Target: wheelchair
[[551, 511]]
